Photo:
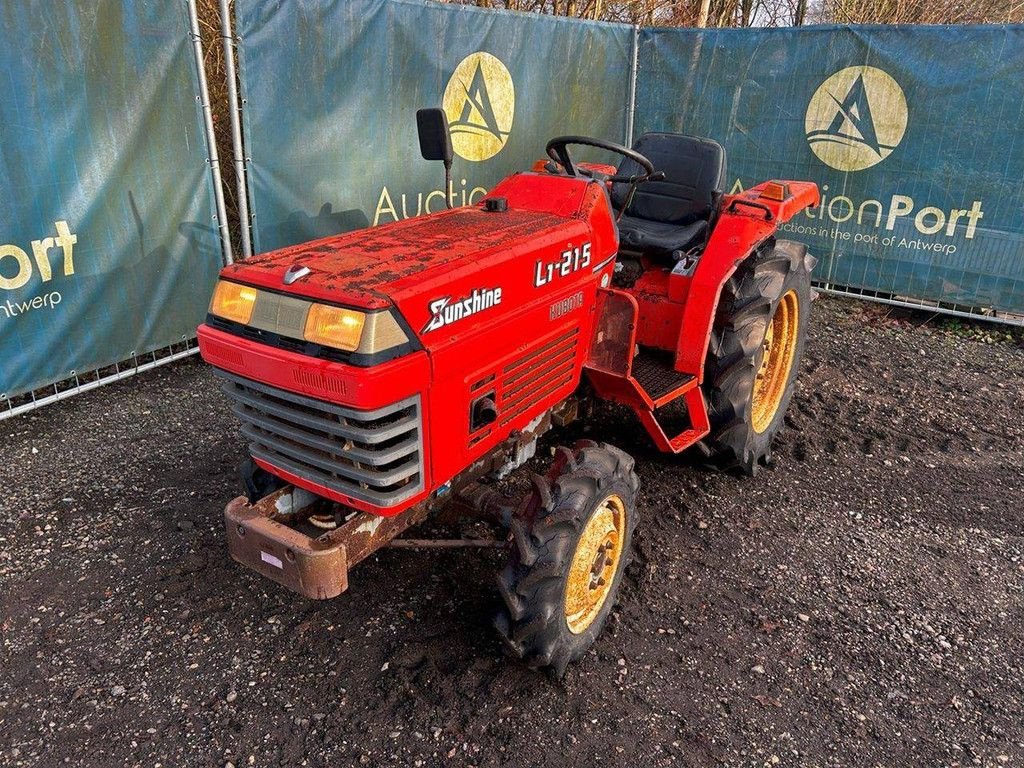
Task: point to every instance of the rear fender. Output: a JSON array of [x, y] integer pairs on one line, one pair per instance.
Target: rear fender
[[747, 220]]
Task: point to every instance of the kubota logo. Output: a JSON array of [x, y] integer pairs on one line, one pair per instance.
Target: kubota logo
[[480, 103], [856, 118]]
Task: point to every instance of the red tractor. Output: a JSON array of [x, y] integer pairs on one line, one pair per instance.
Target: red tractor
[[383, 374]]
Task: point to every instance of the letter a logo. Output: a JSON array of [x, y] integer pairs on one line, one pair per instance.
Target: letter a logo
[[479, 102], [856, 118]]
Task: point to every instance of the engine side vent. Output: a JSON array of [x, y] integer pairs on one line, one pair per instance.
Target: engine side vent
[[536, 375]]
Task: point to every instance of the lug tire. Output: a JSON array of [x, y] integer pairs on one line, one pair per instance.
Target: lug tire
[[747, 306], [533, 619]]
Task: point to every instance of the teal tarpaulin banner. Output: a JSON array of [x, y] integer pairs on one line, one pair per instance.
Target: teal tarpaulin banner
[[108, 241], [912, 133], [331, 91]]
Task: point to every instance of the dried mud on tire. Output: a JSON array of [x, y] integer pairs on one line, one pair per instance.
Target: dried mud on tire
[[860, 602]]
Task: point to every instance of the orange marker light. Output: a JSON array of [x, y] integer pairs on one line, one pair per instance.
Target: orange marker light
[[775, 190], [233, 301], [334, 326]]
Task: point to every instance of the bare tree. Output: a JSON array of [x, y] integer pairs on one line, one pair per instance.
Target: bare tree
[[771, 13]]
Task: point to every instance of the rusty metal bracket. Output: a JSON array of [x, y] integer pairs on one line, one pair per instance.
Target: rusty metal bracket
[[315, 566], [278, 538]]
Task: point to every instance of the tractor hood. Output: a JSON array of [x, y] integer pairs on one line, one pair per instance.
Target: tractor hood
[[410, 264], [370, 268]]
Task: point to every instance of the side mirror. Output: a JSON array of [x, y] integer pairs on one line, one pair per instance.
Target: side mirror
[[435, 139]]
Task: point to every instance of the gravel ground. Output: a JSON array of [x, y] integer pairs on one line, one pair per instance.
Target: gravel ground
[[861, 602]]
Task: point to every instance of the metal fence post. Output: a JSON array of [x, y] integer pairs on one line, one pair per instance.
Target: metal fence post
[[633, 74], [211, 138], [235, 114]]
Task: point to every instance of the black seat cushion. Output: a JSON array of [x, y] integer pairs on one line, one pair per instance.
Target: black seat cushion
[[673, 214], [659, 238]]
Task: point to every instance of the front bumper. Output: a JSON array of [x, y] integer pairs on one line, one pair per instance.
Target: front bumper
[[261, 539]]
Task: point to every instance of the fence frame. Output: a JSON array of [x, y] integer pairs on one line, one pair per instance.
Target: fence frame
[[212, 159], [923, 305], [74, 384], [230, 41], [77, 383]]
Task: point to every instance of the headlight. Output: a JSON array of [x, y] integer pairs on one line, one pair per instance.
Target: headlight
[[334, 327], [367, 334], [233, 301]]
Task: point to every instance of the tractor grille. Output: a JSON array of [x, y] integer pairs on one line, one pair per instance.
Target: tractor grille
[[374, 456]]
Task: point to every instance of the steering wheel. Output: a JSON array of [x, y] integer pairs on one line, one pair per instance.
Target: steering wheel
[[558, 150]]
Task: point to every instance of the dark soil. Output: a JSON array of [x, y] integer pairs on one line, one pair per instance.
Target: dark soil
[[861, 602]]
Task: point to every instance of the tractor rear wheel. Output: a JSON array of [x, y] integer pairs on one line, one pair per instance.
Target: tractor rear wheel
[[572, 545], [754, 354]]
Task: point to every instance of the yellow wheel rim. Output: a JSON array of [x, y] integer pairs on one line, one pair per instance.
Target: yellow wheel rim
[[776, 362], [595, 563]]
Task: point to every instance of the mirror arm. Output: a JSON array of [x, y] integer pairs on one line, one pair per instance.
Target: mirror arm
[[448, 184]]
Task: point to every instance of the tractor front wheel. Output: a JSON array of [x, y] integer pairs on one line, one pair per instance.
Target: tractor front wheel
[[572, 544], [756, 346]]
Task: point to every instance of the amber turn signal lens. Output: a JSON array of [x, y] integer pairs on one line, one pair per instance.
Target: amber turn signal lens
[[233, 301], [334, 326], [775, 190]]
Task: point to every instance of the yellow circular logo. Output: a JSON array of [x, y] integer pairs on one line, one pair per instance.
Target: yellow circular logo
[[856, 118], [480, 103]]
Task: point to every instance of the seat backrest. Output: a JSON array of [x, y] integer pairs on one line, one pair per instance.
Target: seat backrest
[[694, 171]]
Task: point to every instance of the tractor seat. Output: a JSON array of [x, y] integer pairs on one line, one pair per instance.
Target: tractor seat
[[672, 216]]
